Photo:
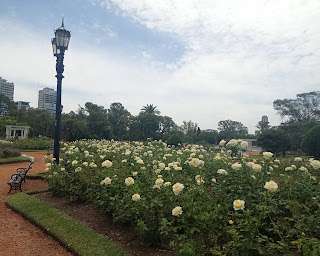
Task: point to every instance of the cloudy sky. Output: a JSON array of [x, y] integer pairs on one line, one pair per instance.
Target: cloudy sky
[[199, 60]]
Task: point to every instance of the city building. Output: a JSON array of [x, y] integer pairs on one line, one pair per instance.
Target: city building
[[264, 119], [47, 100], [23, 104], [7, 89]]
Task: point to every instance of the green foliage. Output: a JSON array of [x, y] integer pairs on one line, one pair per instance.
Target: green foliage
[[305, 107], [149, 125], [40, 121], [37, 143], [296, 131], [119, 118], [189, 131], [174, 140], [15, 159], [229, 129], [7, 151], [97, 121], [280, 221], [209, 136], [6, 105], [74, 129], [263, 126], [275, 140], [150, 109], [311, 142]]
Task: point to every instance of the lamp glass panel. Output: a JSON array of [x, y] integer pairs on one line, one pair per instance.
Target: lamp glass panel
[[54, 46], [62, 37]]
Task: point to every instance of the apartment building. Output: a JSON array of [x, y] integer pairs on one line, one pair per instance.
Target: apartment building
[[6, 89], [47, 100]]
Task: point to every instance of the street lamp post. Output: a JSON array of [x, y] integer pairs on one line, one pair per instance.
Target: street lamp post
[[59, 45]]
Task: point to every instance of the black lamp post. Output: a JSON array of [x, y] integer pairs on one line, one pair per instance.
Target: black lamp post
[[59, 45]]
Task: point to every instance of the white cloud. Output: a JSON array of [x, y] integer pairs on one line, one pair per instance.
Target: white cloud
[[241, 55], [253, 50]]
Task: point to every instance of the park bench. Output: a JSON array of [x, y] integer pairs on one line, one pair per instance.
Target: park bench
[[15, 182], [18, 177], [23, 171]]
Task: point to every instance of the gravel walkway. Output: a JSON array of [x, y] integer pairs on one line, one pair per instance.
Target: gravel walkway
[[17, 235]]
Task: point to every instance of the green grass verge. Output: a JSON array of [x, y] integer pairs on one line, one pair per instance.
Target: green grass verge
[[74, 236], [36, 176], [13, 159]]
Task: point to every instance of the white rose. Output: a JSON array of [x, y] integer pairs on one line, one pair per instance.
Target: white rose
[[106, 181], [107, 164], [315, 164], [177, 211], [222, 171], [236, 166], [271, 186], [135, 197], [129, 181], [177, 188], [267, 155], [238, 205]]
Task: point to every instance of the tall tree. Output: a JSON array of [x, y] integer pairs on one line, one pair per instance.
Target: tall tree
[[311, 142], [263, 126], [149, 125], [229, 129], [305, 107], [74, 128], [97, 121], [40, 121], [150, 109], [6, 105], [208, 136], [119, 118], [166, 125], [275, 140], [189, 130], [297, 131]]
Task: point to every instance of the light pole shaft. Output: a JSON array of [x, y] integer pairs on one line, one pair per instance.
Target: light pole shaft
[[57, 134]]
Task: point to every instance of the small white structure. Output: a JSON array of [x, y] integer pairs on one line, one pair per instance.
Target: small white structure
[[20, 132]]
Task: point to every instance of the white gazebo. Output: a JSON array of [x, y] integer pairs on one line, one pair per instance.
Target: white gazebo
[[20, 132]]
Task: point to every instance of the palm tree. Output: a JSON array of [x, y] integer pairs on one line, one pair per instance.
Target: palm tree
[[150, 109]]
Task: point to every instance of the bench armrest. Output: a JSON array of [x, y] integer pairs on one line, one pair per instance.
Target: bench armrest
[[21, 170]]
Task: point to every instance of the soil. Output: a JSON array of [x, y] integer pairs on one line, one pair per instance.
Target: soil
[[14, 229], [89, 215]]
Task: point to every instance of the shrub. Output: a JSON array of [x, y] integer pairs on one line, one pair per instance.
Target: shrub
[[311, 142], [6, 152], [199, 202], [174, 140], [37, 143]]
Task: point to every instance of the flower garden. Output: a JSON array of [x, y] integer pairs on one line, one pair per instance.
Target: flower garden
[[196, 200]]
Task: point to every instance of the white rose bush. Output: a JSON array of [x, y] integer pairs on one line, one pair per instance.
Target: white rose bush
[[196, 200]]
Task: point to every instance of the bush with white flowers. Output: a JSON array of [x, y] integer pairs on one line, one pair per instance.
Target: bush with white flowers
[[197, 200]]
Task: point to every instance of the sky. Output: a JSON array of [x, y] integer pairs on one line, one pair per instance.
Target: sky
[[198, 60]]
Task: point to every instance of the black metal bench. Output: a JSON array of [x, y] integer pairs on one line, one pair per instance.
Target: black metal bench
[[15, 182], [23, 171], [18, 177]]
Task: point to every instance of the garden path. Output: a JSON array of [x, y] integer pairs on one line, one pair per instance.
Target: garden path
[[17, 235]]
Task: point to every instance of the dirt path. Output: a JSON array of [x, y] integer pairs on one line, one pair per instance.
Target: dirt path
[[17, 235]]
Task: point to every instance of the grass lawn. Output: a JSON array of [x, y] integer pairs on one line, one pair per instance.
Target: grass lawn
[[13, 159]]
